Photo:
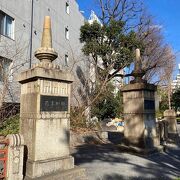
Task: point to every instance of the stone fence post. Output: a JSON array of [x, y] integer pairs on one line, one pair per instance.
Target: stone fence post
[[170, 117], [163, 131], [15, 157]]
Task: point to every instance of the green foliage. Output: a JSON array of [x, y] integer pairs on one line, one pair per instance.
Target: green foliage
[[163, 104], [159, 114], [108, 104], [119, 107], [10, 126], [178, 119], [110, 43], [111, 47], [176, 99]]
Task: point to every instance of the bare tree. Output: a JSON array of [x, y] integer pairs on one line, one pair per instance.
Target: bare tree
[[13, 58], [121, 10], [157, 56]]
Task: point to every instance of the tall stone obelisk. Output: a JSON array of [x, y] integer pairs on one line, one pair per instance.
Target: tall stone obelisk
[[45, 116]]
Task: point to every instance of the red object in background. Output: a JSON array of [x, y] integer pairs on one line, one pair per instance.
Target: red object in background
[[4, 158]]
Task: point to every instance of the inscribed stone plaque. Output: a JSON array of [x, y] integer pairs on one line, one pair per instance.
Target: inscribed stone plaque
[[149, 104], [54, 103]]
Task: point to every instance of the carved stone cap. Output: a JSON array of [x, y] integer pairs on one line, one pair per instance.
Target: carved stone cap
[[46, 53], [45, 73], [169, 113], [139, 87], [15, 140]]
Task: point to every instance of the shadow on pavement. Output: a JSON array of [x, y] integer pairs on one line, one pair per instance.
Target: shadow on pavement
[[119, 177], [159, 166], [90, 153]]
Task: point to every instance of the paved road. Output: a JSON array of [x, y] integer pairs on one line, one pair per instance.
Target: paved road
[[107, 163]]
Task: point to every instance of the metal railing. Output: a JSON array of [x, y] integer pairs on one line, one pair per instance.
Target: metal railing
[[3, 158]]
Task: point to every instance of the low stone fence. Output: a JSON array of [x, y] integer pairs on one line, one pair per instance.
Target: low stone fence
[[170, 117], [167, 127], [11, 157], [162, 127]]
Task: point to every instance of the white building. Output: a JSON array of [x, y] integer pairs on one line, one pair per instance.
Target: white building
[[176, 82], [93, 17]]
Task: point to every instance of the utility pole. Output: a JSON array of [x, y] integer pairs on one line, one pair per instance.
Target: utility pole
[[31, 34]]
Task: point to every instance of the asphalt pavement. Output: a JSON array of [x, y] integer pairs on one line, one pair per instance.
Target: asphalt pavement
[[106, 162]]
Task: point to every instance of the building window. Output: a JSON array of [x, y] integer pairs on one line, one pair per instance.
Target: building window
[[67, 33], [4, 68], [67, 8], [66, 60], [6, 25]]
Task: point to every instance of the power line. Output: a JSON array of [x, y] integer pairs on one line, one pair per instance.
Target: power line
[[31, 34]]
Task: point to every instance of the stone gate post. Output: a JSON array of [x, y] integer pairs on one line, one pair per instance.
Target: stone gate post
[[170, 117], [139, 111], [45, 115]]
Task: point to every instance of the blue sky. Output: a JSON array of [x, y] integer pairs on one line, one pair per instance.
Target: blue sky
[[165, 12]]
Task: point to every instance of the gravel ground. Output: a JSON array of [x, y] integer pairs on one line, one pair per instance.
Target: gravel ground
[[105, 162]]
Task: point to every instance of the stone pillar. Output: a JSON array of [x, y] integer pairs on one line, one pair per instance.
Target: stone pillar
[[15, 157], [45, 113], [170, 117], [139, 111], [139, 115]]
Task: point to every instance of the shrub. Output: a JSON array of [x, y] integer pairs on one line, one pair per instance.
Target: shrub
[[10, 126], [109, 104], [77, 118]]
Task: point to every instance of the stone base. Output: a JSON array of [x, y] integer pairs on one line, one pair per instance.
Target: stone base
[[134, 141], [71, 174], [141, 142], [140, 151], [41, 168], [173, 137], [141, 146]]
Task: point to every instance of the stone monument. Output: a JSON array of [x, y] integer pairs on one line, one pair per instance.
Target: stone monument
[[139, 111], [45, 116]]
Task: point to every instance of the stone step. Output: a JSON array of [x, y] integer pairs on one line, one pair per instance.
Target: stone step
[[76, 173]]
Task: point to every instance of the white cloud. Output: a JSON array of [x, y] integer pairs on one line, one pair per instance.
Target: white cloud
[[157, 26]]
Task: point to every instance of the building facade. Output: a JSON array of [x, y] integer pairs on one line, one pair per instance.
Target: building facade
[[21, 25], [176, 82]]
